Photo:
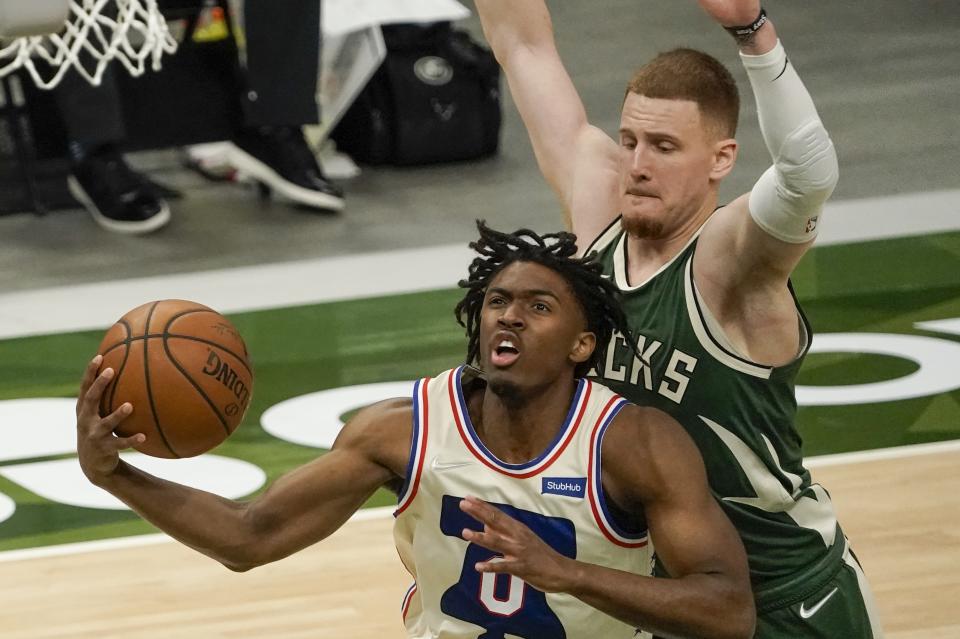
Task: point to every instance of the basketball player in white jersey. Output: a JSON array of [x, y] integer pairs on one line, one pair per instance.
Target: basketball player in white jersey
[[528, 496]]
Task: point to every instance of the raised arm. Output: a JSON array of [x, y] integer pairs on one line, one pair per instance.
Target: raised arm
[[650, 465], [299, 509], [578, 160], [749, 248]]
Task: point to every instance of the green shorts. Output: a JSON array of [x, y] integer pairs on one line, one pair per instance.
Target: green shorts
[[842, 608]]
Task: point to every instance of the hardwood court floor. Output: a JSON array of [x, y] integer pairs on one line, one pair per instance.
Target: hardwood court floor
[[902, 514]]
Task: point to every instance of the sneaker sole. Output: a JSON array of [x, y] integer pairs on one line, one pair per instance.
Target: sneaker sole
[[129, 228], [256, 169]]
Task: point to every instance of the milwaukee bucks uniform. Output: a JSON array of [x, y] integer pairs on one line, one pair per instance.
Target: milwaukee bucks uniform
[[557, 495], [741, 416]]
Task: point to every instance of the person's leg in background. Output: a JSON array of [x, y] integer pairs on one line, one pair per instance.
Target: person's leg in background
[[283, 60], [119, 198]]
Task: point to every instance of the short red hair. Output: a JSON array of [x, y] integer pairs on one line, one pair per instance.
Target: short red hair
[[686, 74]]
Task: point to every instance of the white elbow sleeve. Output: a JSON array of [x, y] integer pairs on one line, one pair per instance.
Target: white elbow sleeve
[[787, 199]]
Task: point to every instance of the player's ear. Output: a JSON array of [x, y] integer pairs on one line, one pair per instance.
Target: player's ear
[[583, 347], [724, 157]]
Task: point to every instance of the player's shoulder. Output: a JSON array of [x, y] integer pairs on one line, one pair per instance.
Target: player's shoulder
[[645, 449], [644, 432], [640, 423], [379, 424], [387, 409]]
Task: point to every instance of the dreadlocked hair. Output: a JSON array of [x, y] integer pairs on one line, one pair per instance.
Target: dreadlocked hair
[[598, 297]]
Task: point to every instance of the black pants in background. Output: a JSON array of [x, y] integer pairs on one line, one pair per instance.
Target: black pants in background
[[283, 57]]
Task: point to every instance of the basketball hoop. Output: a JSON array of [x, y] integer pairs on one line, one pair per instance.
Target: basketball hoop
[[94, 33]]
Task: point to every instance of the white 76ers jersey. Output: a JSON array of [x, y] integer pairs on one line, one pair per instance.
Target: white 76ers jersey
[[558, 495]]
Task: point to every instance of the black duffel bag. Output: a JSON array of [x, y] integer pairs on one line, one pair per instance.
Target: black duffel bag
[[435, 98]]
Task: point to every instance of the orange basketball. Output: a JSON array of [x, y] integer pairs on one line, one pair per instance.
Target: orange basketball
[[185, 370]]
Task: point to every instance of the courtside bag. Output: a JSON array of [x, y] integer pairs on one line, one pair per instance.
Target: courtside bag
[[435, 98]]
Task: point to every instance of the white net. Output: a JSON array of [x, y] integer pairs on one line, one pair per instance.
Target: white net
[[96, 32]]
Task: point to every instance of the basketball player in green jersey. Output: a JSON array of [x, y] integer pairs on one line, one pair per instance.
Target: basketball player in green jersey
[[706, 288], [573, 476]]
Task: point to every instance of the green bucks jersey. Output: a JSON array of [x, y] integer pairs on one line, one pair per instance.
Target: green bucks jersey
[[740, 414]]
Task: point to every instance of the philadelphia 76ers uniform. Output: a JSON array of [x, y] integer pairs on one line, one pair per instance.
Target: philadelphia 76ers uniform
[[558, 495]]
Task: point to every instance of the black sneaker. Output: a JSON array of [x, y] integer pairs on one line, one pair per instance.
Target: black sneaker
[[119, 199], [280, 159]]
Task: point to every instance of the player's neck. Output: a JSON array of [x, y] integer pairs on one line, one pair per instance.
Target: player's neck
[[645, 256], [518, 429]]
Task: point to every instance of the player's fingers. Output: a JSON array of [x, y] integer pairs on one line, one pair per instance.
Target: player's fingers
[[123, 443], [494, 541], [497, 565], [502, 522], [488, 540], [91, 399], [89, 374], [111, 421], [486, 514]]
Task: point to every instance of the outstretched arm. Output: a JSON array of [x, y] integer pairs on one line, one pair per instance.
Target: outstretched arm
[[649, 465], [578, 161], [749, 248], [299, 509]]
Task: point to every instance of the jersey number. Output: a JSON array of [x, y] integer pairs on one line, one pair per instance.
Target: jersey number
[[503, 604]]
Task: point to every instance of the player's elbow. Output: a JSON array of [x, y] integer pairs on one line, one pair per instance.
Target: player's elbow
[[247, 546], [743, 625], [807, 166], [242, 557], [515, 53], [238, 567], [502, 46], [509, 30], [788, 199], [502, 36], [739, 614], [247, 556], [730, 598]]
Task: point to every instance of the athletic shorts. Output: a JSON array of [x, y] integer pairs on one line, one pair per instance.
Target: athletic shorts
[[842, 609]]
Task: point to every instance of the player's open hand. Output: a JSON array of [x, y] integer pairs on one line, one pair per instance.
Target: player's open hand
[[97, 446], [732, 13], [522, 553]]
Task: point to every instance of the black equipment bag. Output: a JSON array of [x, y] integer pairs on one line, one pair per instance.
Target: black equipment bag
[[435, 98]]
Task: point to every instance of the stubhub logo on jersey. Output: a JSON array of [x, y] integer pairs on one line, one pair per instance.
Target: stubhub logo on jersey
[[566, 486]]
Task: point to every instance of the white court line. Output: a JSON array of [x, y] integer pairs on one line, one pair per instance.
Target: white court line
[[889, 217], [140, 540], [820, 461], [894, 452], [98, 305]]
